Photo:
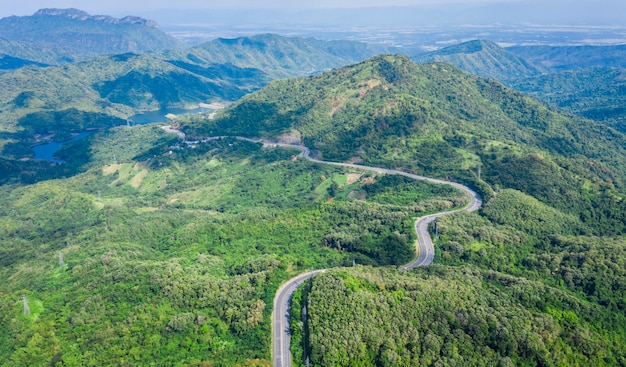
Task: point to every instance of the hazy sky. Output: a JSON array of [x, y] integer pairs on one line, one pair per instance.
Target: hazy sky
[[560, 11], [27, 7]]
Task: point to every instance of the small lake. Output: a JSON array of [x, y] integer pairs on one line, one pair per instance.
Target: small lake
[[46, 151]]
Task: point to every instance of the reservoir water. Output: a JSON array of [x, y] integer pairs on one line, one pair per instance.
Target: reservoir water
[[47, 151]]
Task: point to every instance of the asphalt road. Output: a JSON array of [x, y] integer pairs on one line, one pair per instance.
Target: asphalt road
[[425, 250], [281, 338]]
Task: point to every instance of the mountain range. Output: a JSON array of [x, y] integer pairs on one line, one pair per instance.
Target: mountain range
[[559, 58], [281, 57], [149, 249], [584, 80], [70, 35], [115, 87]]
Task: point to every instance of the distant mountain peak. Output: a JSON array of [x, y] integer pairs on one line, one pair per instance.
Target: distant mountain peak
[[70, 13], [81, 15]]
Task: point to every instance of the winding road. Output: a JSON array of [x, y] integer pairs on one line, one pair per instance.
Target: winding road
[[425, 250]]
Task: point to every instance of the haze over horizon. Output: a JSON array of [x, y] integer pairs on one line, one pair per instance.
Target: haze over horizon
[[351, 12]]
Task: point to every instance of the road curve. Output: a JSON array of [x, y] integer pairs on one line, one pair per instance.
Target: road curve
[[425, 250]]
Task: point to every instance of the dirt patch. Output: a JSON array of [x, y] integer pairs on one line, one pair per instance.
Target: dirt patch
[[373, 83], [109, 170], [355, 159], [352, 178], [337, 103], [292, 137], [138, 179]]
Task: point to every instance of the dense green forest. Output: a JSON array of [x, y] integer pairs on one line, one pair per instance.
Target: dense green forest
[[519, 286], [519, 268], [451, 316], [595, 93], [174, 255], [141, 247]]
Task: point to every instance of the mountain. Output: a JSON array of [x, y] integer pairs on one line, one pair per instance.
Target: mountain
[[557, 58], [435, 119], [172, 253], [108, 89], [483, 58], [74, 35], [596, 93], [282, 56], [584, 80]]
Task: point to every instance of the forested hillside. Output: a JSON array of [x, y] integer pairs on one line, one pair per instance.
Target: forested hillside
[[49, 102], [174, 255], [483, 58], [559, 58], [26, 51], [586, 81], [171, 252], [437, 120], [281, 56], [596, 93], [455, 316], [535, 279]]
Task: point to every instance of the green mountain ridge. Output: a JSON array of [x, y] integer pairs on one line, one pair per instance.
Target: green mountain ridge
[[483, 58], [29, 51], [586, 81], [281, 56], [436, 120]]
